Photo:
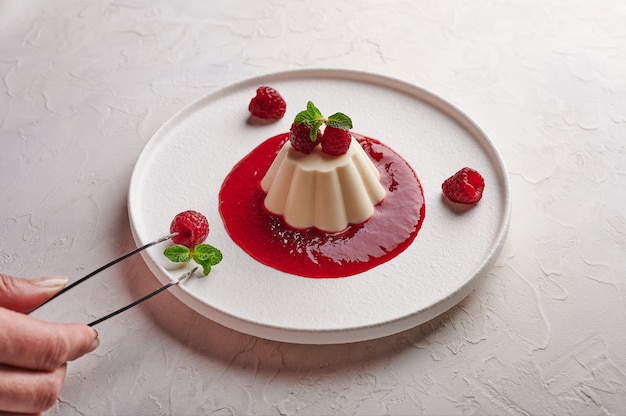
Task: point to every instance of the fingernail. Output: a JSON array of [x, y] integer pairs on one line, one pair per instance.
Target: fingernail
[[94, 344], [54, 283]]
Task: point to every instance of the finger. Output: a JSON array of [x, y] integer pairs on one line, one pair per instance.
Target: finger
[[30, 343], [28, 391], [24, 295]]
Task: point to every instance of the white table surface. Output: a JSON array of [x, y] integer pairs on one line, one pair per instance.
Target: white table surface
[[84, 85]]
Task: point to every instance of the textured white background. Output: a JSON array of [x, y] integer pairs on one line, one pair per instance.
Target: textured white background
[[83, 85]]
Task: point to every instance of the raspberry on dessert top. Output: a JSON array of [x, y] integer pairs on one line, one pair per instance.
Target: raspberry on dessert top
[[305, 133]]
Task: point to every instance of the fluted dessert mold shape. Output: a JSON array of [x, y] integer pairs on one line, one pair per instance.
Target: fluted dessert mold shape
[[322, 191]]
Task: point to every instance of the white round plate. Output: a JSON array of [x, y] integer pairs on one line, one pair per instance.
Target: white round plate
[[184, 164]]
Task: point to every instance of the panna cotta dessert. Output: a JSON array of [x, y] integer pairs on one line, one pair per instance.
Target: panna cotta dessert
[[321, 201], [320, 190]]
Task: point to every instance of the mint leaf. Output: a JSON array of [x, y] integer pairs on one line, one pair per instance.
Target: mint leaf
[[206, 252], [302, 117], [177, 253], [313, 111], [206, 256], [206, 267], [314, 128], [340, 121], [311, 116]]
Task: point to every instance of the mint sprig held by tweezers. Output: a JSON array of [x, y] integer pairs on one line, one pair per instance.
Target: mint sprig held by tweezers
[[204, 254]]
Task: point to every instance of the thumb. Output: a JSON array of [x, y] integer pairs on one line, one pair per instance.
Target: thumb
[[24, 295]]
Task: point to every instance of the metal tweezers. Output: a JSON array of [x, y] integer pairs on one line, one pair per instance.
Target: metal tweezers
[[119, 259]]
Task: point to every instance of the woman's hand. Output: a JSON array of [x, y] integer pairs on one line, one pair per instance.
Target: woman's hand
[[34, 353]]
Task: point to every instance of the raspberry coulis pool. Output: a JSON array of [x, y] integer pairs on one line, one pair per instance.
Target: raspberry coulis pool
[[311, 252]]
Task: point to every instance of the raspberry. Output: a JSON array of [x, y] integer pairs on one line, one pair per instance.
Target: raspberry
[[335, 142], [465, 187], [300, 138], [192, 228], [267, 104]]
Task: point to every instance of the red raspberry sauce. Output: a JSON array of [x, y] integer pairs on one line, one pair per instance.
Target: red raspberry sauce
[[311, 252]]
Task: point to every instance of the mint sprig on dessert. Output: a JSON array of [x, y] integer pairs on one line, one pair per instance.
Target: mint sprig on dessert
[[204, 254], [305, 132], [313, 118]]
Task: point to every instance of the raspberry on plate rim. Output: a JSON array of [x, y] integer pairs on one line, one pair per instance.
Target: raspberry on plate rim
[[267, 104], [464, 187]]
